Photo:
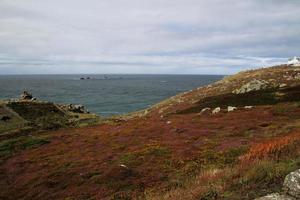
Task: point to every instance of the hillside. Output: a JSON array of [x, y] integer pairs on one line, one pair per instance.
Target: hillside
[[234, 139], [22, 116]]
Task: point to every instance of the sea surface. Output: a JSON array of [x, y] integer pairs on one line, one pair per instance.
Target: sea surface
[[105, 95]]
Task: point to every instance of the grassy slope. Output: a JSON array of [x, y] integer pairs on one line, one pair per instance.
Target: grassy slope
[[29, 116], [171, 152], [15, 121]]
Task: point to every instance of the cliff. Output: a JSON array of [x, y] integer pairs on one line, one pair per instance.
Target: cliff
[[235, 139]]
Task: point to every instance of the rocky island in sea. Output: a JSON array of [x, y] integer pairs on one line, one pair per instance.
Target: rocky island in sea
[[238, 138]]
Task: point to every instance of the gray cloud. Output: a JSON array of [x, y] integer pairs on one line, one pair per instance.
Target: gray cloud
[[141, 36]]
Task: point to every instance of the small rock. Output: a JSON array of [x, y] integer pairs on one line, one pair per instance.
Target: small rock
[[231, 108], [124, 166], [291, 184], [169, 122], [248, 107], [204, 110], [216, 110], [275, 196], [282, 85]]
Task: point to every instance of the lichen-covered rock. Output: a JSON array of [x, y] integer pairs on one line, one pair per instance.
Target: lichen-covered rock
[[253, 85], [291, 184], [275, 196]]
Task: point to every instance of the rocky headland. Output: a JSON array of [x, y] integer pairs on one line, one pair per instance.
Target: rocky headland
[[28, 114]]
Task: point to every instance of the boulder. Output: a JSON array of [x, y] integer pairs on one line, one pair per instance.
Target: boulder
[[253, 85], [231, 108], [216, 110], [248, 107], [291, 184], [275, 196]]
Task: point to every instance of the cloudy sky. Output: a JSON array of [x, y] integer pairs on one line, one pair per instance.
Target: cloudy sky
[[146, 36]]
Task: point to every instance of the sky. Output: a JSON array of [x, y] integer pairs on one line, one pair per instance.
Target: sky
[[146, 36]]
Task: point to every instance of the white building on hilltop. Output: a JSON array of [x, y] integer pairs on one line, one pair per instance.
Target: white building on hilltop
[[294, 61]]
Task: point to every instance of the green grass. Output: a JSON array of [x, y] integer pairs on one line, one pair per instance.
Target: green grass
[[15, 122], [211, 157], [10, 146], [138, 157], [41, 115]]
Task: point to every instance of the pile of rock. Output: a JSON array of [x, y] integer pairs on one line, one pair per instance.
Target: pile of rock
[[77, 108], [26, 96], [291, 188]]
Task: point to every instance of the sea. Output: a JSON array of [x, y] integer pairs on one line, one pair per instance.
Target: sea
[[105, 95]]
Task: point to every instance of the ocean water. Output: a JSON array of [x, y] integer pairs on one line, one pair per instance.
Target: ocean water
[[105, 95]]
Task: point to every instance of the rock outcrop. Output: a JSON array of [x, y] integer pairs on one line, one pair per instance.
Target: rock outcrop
[[253, 85]]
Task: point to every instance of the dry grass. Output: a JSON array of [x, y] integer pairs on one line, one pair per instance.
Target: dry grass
[[275, 148], [207, 185]]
